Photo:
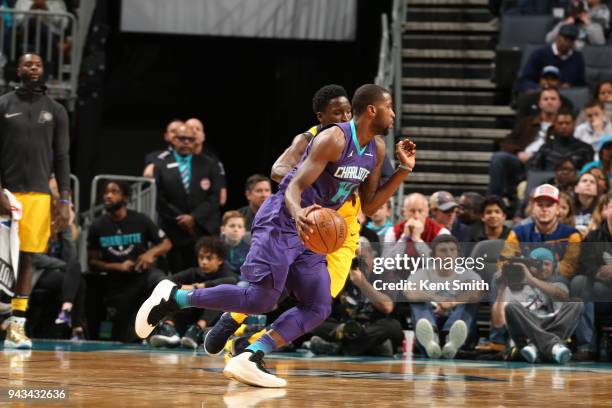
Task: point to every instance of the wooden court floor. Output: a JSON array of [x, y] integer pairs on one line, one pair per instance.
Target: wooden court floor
[[114, 375]]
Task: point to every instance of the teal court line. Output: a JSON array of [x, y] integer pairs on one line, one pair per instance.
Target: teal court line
[[135, 348]]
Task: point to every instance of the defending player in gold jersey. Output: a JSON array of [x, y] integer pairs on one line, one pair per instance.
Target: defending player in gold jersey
[[330, 105]]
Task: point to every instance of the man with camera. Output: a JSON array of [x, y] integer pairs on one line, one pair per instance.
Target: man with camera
[[529, 304], [532, 313], [589, 31]]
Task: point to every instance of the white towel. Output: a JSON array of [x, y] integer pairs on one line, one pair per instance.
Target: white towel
[[9, 245]]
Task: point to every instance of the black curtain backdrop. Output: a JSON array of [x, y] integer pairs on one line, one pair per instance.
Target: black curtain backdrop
[[253, 95]]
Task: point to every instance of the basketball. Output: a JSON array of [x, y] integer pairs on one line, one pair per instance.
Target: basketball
[[329, 231]]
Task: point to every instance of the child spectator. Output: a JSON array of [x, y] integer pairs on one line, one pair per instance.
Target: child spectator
[[491, 226], [596, 126], [211, 271], [602, 180], [566, 210], [233, 232], [585, 200], [380, 221]]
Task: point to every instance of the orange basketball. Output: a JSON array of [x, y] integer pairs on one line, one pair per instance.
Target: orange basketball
[[329, 231]]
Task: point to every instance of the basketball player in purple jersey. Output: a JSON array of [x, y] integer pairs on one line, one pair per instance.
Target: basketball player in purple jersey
[[340, 159]]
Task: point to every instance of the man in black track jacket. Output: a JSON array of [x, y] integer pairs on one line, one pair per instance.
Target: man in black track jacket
[[33, 137]]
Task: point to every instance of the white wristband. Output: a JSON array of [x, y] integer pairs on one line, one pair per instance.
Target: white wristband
[[404, 167]]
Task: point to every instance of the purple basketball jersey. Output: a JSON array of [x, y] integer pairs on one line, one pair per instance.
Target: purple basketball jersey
[[339, 179]]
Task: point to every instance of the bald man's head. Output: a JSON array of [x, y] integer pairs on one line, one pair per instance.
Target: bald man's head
[[415, 206], [184, 141], [198, 128], [171, 129]]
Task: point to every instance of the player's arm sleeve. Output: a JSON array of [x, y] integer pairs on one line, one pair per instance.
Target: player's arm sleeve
[[569, 264], [61, 150]]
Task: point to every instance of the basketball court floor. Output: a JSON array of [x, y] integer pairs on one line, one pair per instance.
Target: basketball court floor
[[97, 374]]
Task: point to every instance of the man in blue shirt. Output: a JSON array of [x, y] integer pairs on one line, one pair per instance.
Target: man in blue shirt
[[560, 54]]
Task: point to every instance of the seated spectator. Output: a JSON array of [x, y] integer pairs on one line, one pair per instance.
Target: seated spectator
[[258, 188], [596, 126], [56, 24], [380, 221], [541, 229], [151, 158], [212, 270], [443, 208], [604, 163], [198, 128], [591, 283], [508, 164], [603, 94], [492, 218], [527, 103], [232, 234], [560, 54], [123, 246], [59, 271], [468, 211], [443, 315], [365, 232], [585, 200], [599, 13], [602, 181], [527, 303], [596, 256], [567, 214], [566, 176], [546, 228], [187, 198], [360, 323], [599, 213], [589, 32], [416, 231], [560, 144]]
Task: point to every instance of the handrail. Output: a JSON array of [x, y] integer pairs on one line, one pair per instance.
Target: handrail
[[399, 14], [50, 33], [389, 74]]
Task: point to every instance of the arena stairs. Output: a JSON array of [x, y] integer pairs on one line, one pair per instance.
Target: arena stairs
[[450, 106]]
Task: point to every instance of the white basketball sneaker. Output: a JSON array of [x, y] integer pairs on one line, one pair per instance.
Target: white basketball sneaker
[[249, 368]]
